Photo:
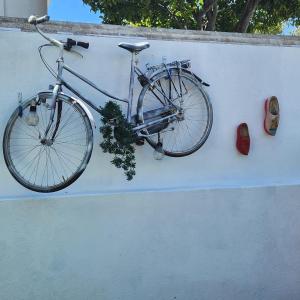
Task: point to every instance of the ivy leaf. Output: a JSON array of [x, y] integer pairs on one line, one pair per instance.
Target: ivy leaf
[[118, 138]]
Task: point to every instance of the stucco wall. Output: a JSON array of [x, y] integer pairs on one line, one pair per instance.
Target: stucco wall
[[241, 77], [188, 245], [214, 225]]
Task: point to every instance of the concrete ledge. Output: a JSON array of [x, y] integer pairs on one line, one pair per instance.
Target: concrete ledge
[[162, 193], [152, 33]]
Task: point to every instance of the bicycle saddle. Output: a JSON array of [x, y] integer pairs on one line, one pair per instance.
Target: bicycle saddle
[[137, 47]]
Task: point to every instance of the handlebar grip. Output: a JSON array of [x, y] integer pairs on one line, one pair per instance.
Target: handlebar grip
[[34, 20], [71, 42], [83, 45]]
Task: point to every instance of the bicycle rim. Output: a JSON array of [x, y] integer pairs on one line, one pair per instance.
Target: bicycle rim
[[187, 133], [48, 167]]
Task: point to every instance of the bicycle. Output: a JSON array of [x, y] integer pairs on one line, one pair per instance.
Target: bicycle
[[48, 140]]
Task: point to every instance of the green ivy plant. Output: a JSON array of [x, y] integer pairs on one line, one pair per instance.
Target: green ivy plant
[[118, 138]]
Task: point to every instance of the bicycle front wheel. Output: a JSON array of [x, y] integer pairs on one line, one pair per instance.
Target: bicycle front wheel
[[187, 132], [52, 164]]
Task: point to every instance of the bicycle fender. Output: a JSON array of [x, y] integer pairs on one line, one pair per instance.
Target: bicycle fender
[[81, 103], [196, 76], [89, 114], [184, 70], [84, 107], [200, 80]]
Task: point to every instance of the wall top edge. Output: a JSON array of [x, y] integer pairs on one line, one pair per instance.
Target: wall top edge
[[152, 33]]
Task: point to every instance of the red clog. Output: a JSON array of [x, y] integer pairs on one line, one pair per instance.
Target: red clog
[[243, 139]]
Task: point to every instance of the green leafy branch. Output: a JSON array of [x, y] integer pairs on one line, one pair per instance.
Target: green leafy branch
[[118, 138]]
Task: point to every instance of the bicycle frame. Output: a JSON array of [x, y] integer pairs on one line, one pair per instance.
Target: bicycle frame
[[134, 69], [61, 82]]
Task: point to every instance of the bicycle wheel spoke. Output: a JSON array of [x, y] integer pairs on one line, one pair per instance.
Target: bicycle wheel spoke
[[69, 155], [65, 137], [37, 165], [62, 160], [24, 156], [29, 179], [54, 170], [163, 92], [65, 122], [29, 163], [70, 143]]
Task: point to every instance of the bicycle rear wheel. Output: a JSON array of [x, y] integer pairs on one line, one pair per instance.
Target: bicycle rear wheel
[[48, 166], [188, 131]]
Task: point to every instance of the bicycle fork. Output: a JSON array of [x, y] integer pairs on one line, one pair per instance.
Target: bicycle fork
[[55, 92]]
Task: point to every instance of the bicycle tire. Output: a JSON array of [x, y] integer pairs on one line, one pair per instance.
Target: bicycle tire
[[147, 101], [48, 168]]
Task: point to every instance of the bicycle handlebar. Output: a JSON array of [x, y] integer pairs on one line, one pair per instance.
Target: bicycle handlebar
[[62, 45]]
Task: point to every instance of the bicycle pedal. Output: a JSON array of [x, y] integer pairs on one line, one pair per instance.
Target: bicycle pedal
[[140, 142]]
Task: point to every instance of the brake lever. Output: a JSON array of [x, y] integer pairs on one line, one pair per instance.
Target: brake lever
[[78, 53]]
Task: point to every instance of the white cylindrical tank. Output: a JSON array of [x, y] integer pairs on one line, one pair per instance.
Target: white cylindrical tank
[[23, 8]]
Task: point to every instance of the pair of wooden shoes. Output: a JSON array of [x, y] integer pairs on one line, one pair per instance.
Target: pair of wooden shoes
[[271, 123]]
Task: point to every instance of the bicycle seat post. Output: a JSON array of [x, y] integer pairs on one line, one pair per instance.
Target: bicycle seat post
[[134, 62]]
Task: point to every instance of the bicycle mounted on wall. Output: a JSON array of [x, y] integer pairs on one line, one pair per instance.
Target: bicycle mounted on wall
[[48, 140]]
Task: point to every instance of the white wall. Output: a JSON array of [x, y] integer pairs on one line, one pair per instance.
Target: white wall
[[23, 8], [210, 244], [241, 77], [202, 233]]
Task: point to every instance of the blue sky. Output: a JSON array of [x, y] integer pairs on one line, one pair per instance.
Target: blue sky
[[289, 29], [72, 10]]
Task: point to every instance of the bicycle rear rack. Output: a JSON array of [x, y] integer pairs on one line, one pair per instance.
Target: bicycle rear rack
[[184, 64]]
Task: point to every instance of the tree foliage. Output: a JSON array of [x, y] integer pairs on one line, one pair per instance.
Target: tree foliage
[[261, 16]]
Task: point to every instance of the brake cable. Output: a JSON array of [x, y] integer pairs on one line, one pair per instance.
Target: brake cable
[[47, 65]]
